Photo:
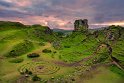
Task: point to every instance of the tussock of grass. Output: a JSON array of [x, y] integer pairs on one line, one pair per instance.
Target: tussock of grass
[[20, 49], [16, 60]]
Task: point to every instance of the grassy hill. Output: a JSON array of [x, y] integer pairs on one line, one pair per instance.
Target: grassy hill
[[37, 54]]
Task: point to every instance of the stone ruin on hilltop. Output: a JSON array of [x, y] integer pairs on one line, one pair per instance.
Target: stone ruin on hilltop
[[81, 25]]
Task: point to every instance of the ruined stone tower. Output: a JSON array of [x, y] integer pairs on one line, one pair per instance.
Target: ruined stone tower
[[81, 25]]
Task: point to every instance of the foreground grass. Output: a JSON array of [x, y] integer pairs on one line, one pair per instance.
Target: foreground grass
[[71, 50]]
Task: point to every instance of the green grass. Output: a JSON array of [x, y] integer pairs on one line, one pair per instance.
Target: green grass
[[16, 60], [116, 70], [104, 75], [73, 48]]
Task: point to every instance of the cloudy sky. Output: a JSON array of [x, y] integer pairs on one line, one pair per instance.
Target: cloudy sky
[[62, 13]]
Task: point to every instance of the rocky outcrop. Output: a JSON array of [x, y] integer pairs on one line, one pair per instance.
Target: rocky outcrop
[[81, 25], [113, 32], [48, 30]]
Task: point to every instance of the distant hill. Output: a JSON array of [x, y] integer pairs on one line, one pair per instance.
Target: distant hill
[[37, 31], [9, 25], [62, 30]]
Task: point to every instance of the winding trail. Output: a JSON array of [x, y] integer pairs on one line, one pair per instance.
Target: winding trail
[[91, 56], [78, 62]]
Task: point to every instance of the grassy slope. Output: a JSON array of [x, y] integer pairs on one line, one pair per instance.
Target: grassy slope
[[104, 75], [73, 49], [77, 48], [11, 38]]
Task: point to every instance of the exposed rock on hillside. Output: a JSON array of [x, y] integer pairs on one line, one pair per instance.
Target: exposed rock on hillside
[[113, 32], [48, 31], [81, 25]]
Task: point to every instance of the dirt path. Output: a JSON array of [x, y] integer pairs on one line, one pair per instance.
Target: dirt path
[[85, 59], [78, 62], [118, 65], [75, 63]]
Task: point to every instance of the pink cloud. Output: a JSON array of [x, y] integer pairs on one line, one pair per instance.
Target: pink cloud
[[23, 3], [50, 21], [20, 3]]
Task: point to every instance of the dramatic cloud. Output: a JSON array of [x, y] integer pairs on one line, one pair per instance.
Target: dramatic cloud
[[62, 13]]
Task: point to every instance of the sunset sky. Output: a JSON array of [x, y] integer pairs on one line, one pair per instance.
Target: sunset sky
[[62, 13]]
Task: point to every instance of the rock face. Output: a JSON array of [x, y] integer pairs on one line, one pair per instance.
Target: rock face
[[48, 30], [81, 25], [113, 32]]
